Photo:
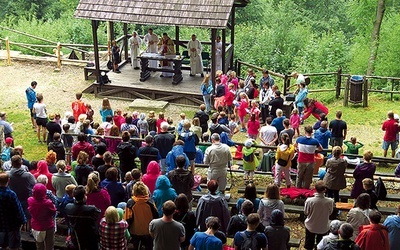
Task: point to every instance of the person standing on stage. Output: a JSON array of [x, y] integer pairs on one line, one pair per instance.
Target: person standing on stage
[[218, 53], [135, 42], [196, 62], [151, 41], [166, 47]]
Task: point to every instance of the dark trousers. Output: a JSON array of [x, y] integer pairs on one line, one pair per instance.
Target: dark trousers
[[333, 194], [309, 244], [264, 113]]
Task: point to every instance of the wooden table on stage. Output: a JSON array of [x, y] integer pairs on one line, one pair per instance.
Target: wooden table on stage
[[145, 69]]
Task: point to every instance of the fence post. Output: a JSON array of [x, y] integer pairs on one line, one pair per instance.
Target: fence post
[[239, 68], [286, 81], [365, 99], [346, 93], [338, 82], [59, 55], [8, 60], [391, 94]]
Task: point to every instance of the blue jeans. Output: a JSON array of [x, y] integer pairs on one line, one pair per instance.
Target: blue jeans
[[207, 102]]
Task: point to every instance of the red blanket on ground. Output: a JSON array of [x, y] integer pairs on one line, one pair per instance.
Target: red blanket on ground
[[294, 192]]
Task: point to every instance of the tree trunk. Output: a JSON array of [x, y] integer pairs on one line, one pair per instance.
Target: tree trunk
[[380, 10]]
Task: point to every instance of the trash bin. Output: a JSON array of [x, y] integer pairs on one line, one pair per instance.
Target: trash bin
[[356, 88], [287, 108]]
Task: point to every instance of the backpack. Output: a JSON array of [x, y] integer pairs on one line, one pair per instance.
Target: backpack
[[248, 158], [249, 243], [5, 154], [341, 244], [380, 189]]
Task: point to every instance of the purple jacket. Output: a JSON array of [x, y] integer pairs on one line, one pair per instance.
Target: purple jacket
[[362, 171]]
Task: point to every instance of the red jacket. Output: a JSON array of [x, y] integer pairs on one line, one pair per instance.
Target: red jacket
[[373, 237], [391, 129], [42, 168], [315, 109], [229, 97], [41, 209], [82, 146]]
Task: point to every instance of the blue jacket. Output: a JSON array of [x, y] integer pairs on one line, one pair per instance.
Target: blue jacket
[[322, 135], [163, 193], [30, 96], [115, 190], [208, 90], [105, 113], [171, 156], [300, 97], [392, 222]]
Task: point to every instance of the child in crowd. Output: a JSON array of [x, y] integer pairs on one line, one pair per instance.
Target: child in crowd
[[67, 141], [135, 118], [242, 106], [233, 126], [78, 106], [143, 125], [105, 109], [5, 154], [250, 161], [118, 118], [151, 120], [322, 117], [180, 123], [160, 120], [195, 128], [205, 137], [89, 113], [229, 98], [352, 148], [95, 125], [57, 119], [112, 143], [254, 109], [68, 198], [107, 124], [253, 126], [222, 118], [368, 186], [171, 127], [295, 121], [127, 178]]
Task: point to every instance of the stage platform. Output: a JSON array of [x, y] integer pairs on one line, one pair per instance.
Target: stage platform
[[127, 86]]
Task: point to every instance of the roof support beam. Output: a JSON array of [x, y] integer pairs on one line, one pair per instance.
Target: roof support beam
[[95, 25], [213, 54], [126, 41], [177, 39]]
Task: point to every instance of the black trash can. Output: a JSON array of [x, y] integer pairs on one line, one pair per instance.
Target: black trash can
[[356, 88]]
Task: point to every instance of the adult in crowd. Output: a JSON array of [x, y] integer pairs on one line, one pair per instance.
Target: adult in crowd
[[277, 122], [82, 145], [182, 180], [139, 212], [83, 221], [218, 53], [134, 43], [391, 128], [207, 239], [369, 188], [190, 140], [358, 215], [202, 114], [315, 108], [184, 215], [250, 193], [39, 108], [322, 135], [317, 209], [176, 151], [301, 95], [299, 79], [375, 235], [306, 147], [150, 178], [8, 127], [238, 222], [126, 154], [164, 142], [250, 75], [392, 223], [166, 231], [338, 127], [7, 165], [163, 192], [276, 103], [112, 231], [51, 158], [218, 157], [57, 146], [270, 202], [265, 97], [334, 178], [196, 62], [284, 156], [268, 134], [366, 169], [42, 211], [266, 77], [12, 216], [148, 153], [217, 128], [344, 241], [278, 235], [61, 179], [52, 128], [333, 234], [31, 98], [43, 169], [116, 58], [98, 160], [114, 188], [82, 170], [212, 204], [96, 195], [258, 240], [151, 41]]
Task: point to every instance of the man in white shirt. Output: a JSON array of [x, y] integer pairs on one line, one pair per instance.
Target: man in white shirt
[[151, 41], [299, 79], [135, 42], [268, 134], [218, 53], [196, 62]]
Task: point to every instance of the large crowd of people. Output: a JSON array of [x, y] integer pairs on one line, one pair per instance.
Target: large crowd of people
[[108, 203]]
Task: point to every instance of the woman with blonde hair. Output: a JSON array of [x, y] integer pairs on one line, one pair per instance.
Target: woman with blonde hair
[[270, 202], [284, 156], [206, 91], [105, 109], [95, 195], [51, 158], [82, 170], [111, 223], [61, 179], [112, 143]]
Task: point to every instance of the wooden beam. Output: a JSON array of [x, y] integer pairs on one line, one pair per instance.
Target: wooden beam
[[95, 25], [224, 68], [213, 54], [177, 39], [233, 32], [112, 35], [126, 41]]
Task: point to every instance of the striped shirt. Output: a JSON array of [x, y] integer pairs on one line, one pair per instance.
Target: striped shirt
[[306, 147]]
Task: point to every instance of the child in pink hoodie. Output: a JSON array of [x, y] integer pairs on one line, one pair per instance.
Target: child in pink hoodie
[[295, 121], [150, 178]]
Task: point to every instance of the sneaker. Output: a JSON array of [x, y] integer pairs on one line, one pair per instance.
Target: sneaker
[[243, 130]]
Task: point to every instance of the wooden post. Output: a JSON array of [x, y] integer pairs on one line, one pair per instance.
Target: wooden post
[[365, 99], [338, 82], [346, 93], [59, 55], [232, 33], [239, 68], [391, 94], [177, 39], [126, 41], [224, 68], [95, 25], [213, 50], [286, 83], [8, 60]]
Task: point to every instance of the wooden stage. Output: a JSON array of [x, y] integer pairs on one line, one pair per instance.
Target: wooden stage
[[127, 86]]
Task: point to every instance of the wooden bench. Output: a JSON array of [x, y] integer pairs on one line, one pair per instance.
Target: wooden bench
[[345, 196], [89, 72], [28, 242]]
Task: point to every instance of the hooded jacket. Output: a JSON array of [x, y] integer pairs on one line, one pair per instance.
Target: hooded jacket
[[41, 209], [373, 236], [42, 168], [171, 156], [21, 182], [277, 233], [322, 135], [362, 171], [127, 154], [115, 190], [286, 153], [163, 193], [334, 178], [392, 222], [182, 181], [58, 148], [138, 213], [212, 205], [150, 178]]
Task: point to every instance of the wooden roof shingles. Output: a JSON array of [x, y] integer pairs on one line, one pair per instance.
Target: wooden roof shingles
[[192, 13]]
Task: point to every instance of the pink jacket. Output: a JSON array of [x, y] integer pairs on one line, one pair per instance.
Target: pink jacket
[[295, 120], [42, 168], [150, 178], [100, 199], [41, 209]]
